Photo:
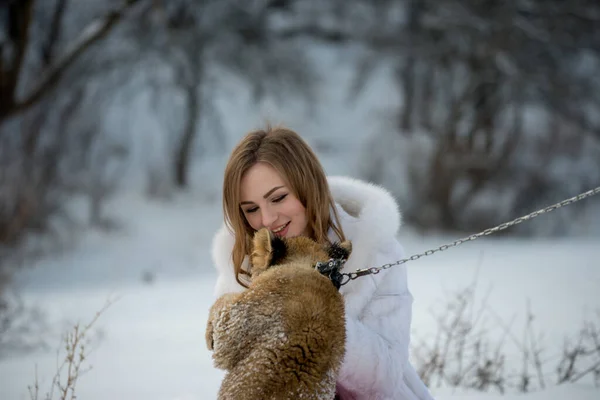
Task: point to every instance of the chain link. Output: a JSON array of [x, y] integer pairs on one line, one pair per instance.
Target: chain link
[[349, 276]]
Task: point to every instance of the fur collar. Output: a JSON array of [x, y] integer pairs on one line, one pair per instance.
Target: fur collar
[[369, 203], [368, 214]]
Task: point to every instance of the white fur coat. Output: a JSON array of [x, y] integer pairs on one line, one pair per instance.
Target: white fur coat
[[378, 307]]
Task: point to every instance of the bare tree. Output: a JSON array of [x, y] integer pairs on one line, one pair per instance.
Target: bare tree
[[203, 42], [491, 62], [17, 42], [41, 45]]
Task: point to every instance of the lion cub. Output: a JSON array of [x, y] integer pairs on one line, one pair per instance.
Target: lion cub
[[284, 337]]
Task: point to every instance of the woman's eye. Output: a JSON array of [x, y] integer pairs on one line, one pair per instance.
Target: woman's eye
[[251, 210], [279, 198]]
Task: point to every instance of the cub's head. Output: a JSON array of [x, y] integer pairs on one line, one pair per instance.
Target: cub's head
[[269, 249]]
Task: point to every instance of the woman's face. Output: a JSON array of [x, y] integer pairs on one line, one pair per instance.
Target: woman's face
[[267, 202]]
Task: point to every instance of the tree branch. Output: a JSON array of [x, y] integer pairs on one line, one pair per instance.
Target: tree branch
[[92, 34], [17, 30], [335, 36], [55, 26]]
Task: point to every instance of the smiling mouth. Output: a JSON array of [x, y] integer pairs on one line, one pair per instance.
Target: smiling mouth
[[281, 228]]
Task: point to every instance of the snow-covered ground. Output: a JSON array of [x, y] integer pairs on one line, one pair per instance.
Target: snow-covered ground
[[150, 344]]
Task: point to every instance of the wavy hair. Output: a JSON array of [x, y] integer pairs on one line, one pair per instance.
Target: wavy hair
[[297, 164]]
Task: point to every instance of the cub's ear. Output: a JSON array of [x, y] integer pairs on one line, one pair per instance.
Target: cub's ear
[[267, 250], [340, 250]]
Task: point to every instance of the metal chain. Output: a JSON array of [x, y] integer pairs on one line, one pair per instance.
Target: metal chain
[[348, 276]]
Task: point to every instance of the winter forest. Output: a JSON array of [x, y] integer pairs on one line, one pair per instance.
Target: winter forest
[[117, 118]]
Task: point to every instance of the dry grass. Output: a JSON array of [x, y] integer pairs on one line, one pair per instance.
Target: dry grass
[[71, 362], [474, 348]]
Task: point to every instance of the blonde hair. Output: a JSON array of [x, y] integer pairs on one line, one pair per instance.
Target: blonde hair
[[285, 151]]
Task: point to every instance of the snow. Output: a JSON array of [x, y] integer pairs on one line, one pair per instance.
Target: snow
[[557, 393], [150, 340]]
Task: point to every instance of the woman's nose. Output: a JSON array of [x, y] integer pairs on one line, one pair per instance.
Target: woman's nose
[[268, 217]]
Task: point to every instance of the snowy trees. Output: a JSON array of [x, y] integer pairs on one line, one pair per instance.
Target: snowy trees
[[497, 98], [505, 91], [75, 73], [201, 43], [41, 46]]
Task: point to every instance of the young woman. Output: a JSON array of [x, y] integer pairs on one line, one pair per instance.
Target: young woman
[[273, 179]]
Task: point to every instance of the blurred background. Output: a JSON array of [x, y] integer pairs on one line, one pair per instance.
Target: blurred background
[[471, 112]]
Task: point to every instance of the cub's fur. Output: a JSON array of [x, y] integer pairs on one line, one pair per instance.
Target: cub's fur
[[284, 337]]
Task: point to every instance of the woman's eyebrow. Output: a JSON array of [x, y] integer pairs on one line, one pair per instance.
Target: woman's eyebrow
[[264, 197]]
